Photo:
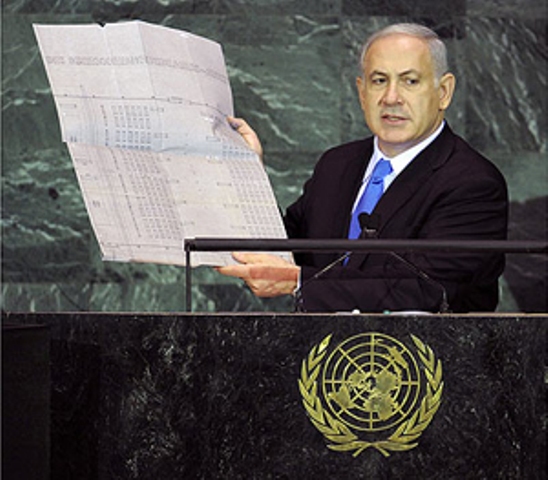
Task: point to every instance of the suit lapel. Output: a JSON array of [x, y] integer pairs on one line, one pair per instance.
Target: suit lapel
[[414, 176], [411, 179], [350, 183]]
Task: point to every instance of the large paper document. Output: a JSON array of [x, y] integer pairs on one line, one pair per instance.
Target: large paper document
[[143, 111]]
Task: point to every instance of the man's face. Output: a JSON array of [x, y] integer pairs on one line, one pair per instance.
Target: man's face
[[398, 93]]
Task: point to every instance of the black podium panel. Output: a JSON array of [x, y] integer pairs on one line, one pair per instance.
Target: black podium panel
[[25, 402], [297, 396]]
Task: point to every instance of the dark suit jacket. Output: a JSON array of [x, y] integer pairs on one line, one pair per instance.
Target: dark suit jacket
[[449, 191]]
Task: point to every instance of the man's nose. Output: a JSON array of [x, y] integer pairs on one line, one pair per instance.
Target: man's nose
[[391, 94]]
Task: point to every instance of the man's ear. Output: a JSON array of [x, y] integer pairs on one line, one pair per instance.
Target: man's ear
[[446, 90]]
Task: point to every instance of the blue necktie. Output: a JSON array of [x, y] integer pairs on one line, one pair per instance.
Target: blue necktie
[[371, 195]]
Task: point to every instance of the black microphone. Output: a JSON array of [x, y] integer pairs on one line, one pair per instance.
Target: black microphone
[[370, 224]]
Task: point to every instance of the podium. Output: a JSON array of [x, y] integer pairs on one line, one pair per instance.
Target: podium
[[279, 396]]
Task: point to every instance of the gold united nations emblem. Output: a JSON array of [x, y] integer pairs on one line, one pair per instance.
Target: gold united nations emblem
[[371, 390]]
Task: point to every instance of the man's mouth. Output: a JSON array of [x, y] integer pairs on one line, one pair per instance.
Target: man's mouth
[[392, 118]]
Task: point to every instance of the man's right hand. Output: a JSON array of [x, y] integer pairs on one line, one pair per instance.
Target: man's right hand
[[248, 134]]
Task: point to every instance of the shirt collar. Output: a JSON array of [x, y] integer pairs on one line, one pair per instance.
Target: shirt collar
[[399, 162]]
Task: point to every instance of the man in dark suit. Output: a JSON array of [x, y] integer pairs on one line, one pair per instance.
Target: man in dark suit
[[431, 184]]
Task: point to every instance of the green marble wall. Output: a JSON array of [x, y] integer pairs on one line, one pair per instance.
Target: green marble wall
[[292, 65]]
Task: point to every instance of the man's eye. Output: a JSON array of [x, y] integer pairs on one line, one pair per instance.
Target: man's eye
[[411, 81], [378, 81]]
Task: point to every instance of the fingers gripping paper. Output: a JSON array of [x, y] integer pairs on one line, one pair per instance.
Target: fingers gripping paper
[[143, 111]]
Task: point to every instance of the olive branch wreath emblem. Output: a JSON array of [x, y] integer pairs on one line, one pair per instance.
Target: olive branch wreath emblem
[[340, 436]]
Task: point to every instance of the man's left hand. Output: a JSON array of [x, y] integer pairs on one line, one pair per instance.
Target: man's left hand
[[266, 275]]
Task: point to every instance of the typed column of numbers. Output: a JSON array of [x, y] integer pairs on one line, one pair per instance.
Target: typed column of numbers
[[156, 215], [132, 126], [253, 198]]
